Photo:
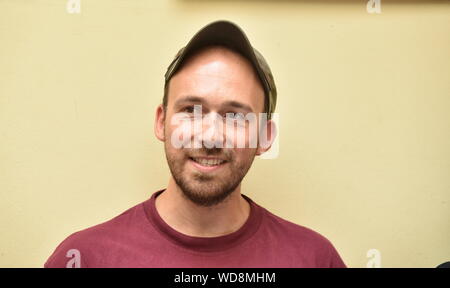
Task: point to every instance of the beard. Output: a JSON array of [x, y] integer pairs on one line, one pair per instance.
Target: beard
[[206, 189]]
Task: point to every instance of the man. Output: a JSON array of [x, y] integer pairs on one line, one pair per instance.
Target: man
[[201, 219]]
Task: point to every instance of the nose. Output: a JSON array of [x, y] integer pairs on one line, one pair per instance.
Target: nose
[[212, 131]]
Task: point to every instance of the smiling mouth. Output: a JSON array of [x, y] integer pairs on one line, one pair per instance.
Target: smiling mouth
[[208, 162]]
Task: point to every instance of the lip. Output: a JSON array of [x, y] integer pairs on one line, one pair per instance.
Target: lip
[[208, 157], [206, 169]]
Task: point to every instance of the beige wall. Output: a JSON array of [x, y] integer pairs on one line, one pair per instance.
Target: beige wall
[[364, 119]]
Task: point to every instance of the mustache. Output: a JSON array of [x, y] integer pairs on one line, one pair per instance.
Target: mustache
[[219, 152]]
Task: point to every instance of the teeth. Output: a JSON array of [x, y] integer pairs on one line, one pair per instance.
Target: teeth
[[208, 162]]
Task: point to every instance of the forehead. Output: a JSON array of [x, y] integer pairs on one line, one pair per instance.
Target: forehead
[[217, 75]]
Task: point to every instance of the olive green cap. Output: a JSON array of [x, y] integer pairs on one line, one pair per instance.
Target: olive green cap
[[228, 34]]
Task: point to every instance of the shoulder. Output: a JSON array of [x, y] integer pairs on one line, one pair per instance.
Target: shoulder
[[301, 240], [77, 248], [292, 230]]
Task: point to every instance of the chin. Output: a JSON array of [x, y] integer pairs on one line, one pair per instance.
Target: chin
[[205, 194]]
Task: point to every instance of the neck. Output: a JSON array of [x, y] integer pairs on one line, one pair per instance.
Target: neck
[[193, 220]]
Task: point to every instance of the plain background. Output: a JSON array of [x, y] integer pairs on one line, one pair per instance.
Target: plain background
[[364, 119]]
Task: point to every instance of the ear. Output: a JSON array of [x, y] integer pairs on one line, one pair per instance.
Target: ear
[[159, 123], [266, 137]]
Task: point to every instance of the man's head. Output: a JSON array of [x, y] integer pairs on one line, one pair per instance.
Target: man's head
[[221, 81]]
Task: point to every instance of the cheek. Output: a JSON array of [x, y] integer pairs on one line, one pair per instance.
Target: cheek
[[178, 132], [242, 137], [243, 156], [172, 150]]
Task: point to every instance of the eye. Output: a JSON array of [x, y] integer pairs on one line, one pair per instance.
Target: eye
[[235, 116], [188, 109]]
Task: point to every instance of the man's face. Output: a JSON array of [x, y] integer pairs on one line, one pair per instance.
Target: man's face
[[221, 81]]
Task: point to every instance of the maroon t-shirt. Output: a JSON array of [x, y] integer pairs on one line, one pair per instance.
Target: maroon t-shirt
[[140, 238]]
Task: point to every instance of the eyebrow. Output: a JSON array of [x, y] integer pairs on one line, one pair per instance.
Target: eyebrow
[[201, 100], [189, 99], [237, 104]]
